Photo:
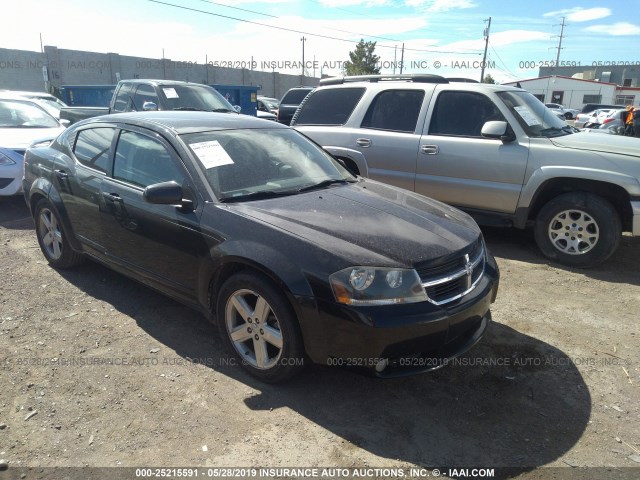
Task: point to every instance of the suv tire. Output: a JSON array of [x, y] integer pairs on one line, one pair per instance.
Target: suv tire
[[578, 229]]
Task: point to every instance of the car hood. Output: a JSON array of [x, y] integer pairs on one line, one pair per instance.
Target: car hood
[[21, 138], [599, 143], [369, 221]]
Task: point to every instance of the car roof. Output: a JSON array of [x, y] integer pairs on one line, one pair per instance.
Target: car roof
[[159, 82], [187, 122], [409, 85]]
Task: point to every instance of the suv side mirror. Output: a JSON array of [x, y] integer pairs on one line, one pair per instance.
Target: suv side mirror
[[237, 108], [498, 129], [148, 106]]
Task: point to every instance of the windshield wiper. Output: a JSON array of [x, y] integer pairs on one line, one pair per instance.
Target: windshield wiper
[[222, 110], [190, 109], [554, 132], [259, 195], [325, 183]]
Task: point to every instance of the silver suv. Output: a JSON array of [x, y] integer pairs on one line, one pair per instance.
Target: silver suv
[[492, 150]]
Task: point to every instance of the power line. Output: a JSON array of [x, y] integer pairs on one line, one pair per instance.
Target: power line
[[276, 17], [299, 31]]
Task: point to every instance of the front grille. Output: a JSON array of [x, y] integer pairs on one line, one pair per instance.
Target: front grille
[[453, 278]]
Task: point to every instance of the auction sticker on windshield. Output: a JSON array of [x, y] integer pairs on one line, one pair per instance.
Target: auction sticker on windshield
[[527, 116], [170, 92], [211, 154]]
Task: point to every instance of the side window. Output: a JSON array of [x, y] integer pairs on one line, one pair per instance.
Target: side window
[[462, 114], [92, 147], [144, 93], [329, 107], [123, 100], [394, 110], [143, 161]]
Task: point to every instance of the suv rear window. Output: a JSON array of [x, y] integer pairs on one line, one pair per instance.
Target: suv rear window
[[329, 107], [394, 110], [295, 96]]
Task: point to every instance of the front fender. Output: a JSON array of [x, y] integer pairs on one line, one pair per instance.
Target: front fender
[[544, 174], [357, 157], [275, 265]]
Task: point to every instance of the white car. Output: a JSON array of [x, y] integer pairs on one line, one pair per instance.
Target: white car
[[567, 113], [592, 119], [22, 122], [47, 101]]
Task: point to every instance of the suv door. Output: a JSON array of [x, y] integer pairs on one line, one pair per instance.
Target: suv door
[[159, 242], [389, 136], [457, 165]]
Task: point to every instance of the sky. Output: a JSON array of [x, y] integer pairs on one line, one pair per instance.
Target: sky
[[439, 36]]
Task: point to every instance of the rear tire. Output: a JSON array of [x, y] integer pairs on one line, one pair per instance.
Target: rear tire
[[578, 229], [260, 328], [53, 239]]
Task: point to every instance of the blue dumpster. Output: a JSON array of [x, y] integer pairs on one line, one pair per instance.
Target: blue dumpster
[[87, 95], [244, 95]]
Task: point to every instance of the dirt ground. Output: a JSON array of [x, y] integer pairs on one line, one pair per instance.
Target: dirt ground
[[98, 370]]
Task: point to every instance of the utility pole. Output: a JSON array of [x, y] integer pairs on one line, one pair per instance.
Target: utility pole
[[486, 45], [402, 59], [560, 41], [303, 39], [395, 53]]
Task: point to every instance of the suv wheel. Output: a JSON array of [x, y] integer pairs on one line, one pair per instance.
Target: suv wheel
[[578, 229], [260, 327], [52, 237]]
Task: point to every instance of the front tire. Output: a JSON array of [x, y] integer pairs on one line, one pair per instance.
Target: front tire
[[578, 229], [260, 328], [53, 239]]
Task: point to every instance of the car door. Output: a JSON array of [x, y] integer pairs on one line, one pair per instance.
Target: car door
[[79, 182], [458, 166], [389, 137], [159, 242]]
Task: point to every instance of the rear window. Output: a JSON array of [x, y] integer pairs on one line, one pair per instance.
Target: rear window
[[92, 147], [295, 97], [329, 107]]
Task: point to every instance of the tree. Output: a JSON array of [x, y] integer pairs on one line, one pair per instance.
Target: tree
[[488, 79], [363, 60]]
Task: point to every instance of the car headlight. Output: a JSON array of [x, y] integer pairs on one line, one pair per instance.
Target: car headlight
[[4, 160], [377, 286]]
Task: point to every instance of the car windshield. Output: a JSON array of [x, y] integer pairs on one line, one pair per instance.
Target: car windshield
[[195, 97], [261, 163], [534, 117], [24, 114], [270, 102]]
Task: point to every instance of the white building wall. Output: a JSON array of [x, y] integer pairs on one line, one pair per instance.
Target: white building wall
[[573, 91]]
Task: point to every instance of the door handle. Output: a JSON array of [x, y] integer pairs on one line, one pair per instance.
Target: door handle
[[363, 142], [112, 197], [61, 174], [429, 149]]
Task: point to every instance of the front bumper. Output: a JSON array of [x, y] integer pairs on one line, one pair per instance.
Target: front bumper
[[635, 207], [398, 340]]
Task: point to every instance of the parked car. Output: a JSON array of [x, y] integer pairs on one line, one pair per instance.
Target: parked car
[[612, 124], [21, 123], [149, 95], [585, 115], [47, 101], [566, 113], [266, 116], [290, 102], [256, 226], [506, 158], [595, 118], [268, 104]]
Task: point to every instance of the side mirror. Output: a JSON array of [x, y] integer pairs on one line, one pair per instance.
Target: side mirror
[[64, 122], [165, 193], [237, 108], [499, 130], [149, 106]]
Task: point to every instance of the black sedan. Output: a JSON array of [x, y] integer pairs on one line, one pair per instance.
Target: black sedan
[[261, 230]]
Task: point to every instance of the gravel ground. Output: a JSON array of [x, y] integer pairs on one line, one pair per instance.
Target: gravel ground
[[100, 371]]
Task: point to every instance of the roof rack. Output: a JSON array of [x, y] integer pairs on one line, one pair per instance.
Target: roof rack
[[462, 80], [418, 78]]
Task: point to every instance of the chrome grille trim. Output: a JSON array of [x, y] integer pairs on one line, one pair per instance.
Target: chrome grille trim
[[470, 268]]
